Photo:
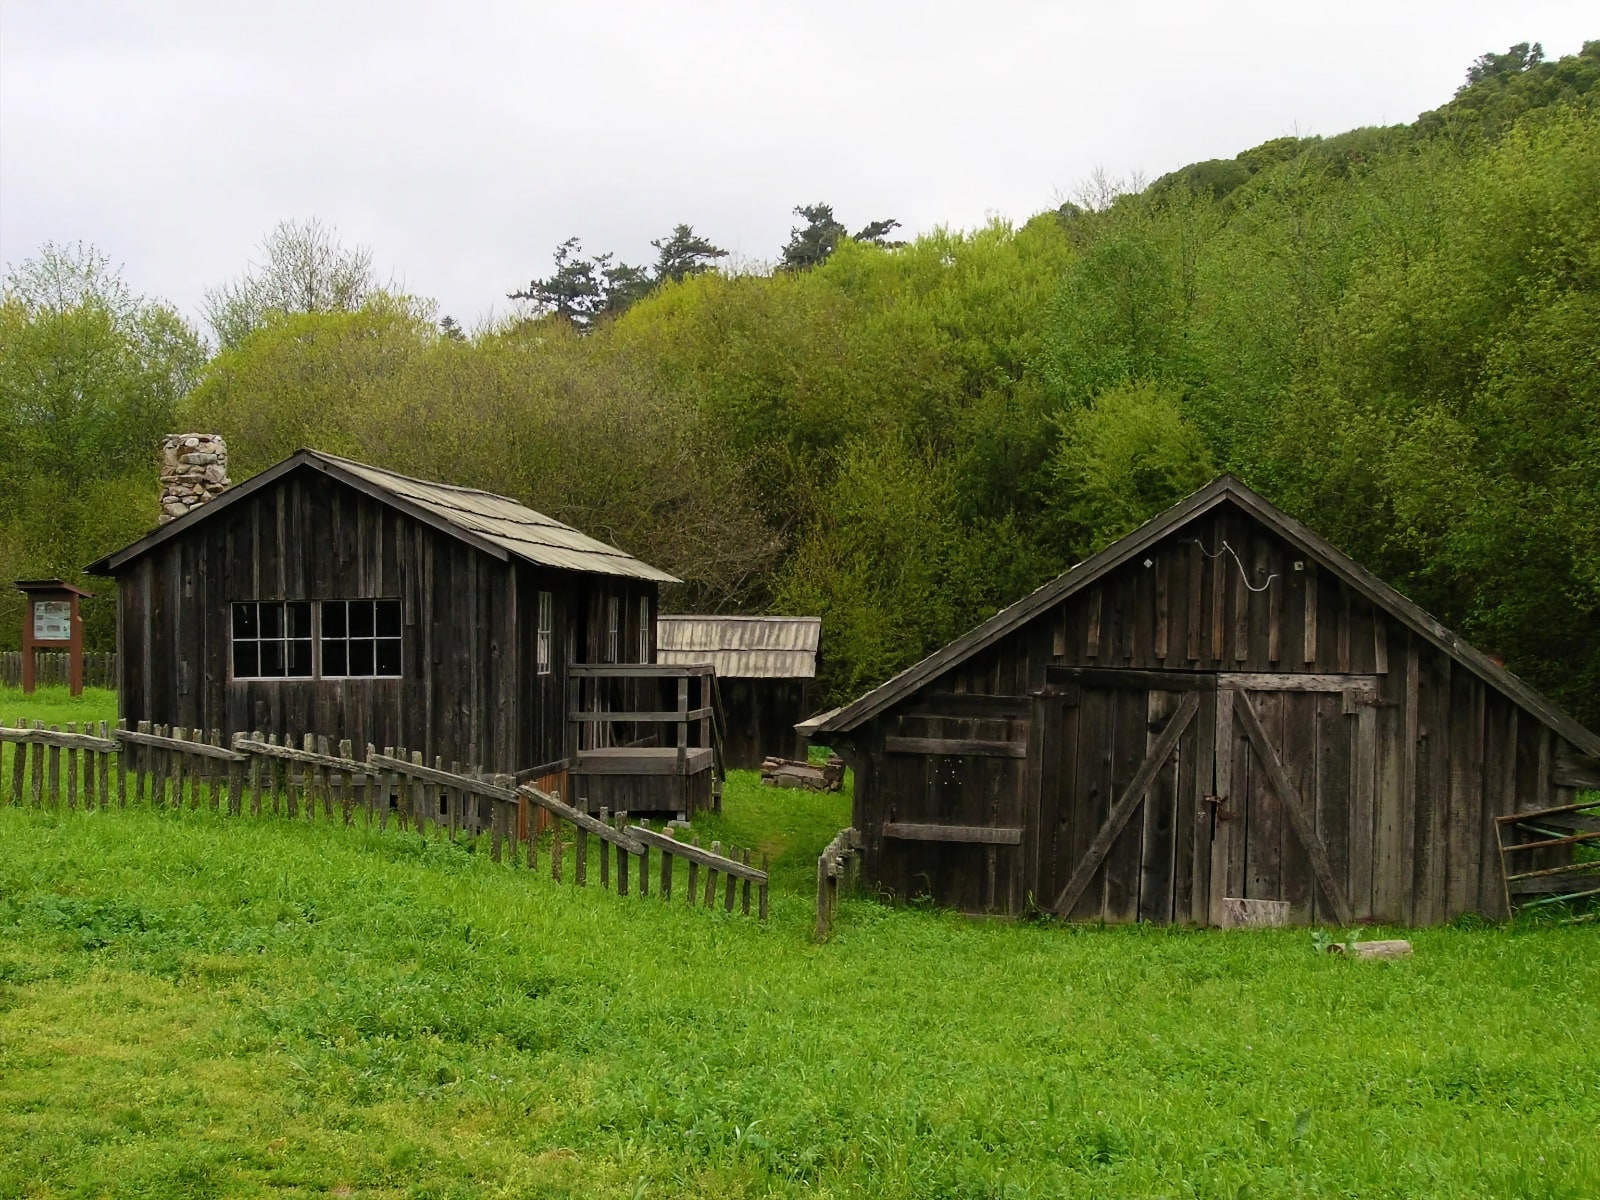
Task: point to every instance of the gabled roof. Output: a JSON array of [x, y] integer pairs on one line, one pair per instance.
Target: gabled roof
[[742, 647], [1223, 489], [494, 524]]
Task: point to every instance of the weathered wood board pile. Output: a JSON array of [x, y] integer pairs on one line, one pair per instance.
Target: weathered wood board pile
[[788, 773]]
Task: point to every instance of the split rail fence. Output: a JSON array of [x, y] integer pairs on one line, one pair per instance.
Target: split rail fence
[[104, 766], [839, 860]]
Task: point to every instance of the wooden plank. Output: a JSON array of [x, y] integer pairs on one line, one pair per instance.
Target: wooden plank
[[1124, 806], [72, 753], [1200, 813], [1311, 609], [179, 745], [56, 737], [599, 827], [673, 716], [19, 762], [1194, 618], [1158, 845], [1304, 824], [955, 746], [1091, 636], [1409, 746], [975, 834], [1219, 595], [1264, 818], [1269, 681], [1131, 678], [966, 705], [1161, 633], [1365, 832]]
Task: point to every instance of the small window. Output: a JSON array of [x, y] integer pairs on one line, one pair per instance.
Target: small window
[[272, 639], [644, 629], [613, 628], [546, 629], [360, 638]]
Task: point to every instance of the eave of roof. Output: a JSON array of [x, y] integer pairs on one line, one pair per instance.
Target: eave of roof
[[493, 524], [1223, 488]]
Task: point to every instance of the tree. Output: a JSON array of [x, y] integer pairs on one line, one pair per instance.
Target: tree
[[304, 269], [583, 290], [811, 244], [683, 253], [90, 379], [1499, 66]]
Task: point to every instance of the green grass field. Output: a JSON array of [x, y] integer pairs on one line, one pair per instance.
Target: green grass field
[[194, 1005]]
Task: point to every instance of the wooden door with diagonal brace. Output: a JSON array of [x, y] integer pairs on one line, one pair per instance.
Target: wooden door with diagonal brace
[[1125, 764]]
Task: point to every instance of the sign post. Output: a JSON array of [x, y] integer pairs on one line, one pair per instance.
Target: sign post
[[52, 622]]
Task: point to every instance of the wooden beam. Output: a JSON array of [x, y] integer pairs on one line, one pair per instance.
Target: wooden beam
[[918, 745], [1125, 805], [1305, 826], [1131, 677], [966, 705], [1288, 681], [983, 835], [675, 717], [695, 854]]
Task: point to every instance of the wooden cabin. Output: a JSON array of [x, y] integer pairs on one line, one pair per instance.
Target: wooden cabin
[[1218, 707], [326, 596], [764, 667]]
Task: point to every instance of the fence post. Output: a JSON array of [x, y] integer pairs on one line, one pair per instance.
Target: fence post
[[619, 822], [605, 850]]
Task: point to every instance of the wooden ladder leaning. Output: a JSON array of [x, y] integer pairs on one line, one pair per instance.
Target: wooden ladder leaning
[[1551, 830]]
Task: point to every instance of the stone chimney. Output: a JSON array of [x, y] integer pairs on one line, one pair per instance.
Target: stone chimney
[[194, 471]]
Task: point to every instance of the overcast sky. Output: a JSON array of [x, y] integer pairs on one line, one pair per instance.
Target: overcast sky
[[461, 141]]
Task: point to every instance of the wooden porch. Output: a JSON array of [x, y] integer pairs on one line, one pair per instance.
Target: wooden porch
[[646, 738]]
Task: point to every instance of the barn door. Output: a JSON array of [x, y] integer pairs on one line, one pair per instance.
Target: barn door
[[1125, 766], [1291, 761], [955, 766]]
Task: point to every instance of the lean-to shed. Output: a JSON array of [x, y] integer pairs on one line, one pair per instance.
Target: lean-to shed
[[764, 668], [327, 596], [1219, 705]]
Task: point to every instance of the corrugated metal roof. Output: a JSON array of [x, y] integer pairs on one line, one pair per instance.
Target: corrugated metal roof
[[742, 647], [519, 530]]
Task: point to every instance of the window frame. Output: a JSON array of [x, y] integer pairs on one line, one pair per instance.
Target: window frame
[[314, 637], [545, 634], [644, 629], [348, 640], [282, 639], [613, 629]]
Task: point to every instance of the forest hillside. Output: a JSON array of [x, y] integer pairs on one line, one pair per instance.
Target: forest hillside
[[1392, 333]]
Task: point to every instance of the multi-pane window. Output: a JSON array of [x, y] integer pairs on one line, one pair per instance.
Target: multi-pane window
[[546, 631], [272, 639], [296, 639], [613, 628], [644, 629], [360, 638]]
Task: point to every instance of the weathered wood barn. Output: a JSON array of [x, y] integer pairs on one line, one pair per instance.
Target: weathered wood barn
[[326, 596], [764, 668], [1219, 705]]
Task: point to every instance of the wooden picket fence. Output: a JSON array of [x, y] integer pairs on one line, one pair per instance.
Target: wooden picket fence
[[50, 667], [104, 766]]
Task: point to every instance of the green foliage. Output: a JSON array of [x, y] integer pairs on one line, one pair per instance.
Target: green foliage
[[90, 379], [1122, 458], [193, 1004], [304, 269]]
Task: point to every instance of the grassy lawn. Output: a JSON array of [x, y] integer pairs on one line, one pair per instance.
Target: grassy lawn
[[192, 1005]]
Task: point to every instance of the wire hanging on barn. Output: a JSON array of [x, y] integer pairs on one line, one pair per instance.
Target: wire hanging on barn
[[1244, 575]]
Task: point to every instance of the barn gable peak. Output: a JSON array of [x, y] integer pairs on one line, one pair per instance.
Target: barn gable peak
[[1224, 490]]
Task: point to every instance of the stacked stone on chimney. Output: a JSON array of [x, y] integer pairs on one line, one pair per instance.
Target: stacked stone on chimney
[[194, 471]]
